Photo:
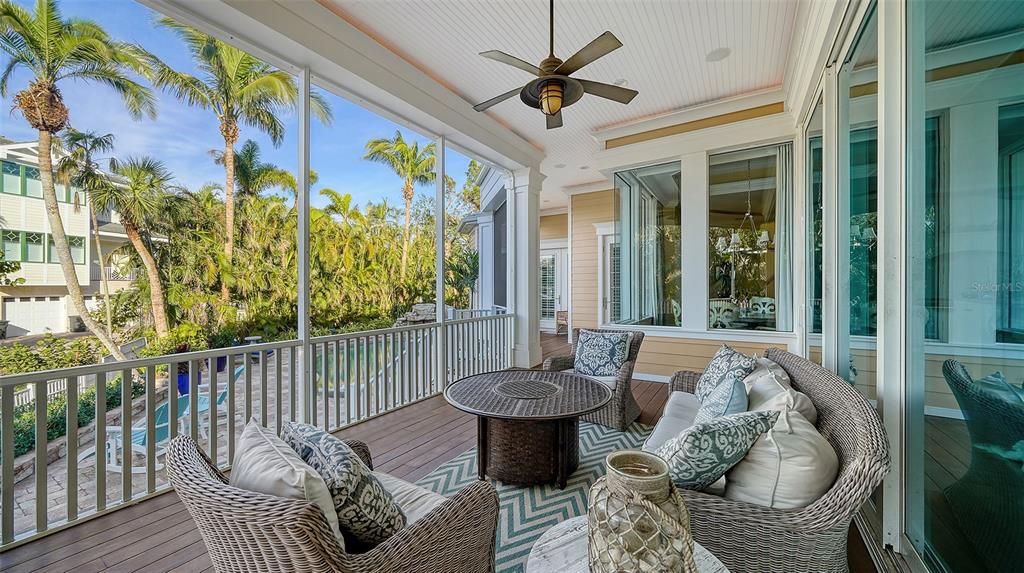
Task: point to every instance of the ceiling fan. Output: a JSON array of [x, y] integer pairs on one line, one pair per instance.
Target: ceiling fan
[[553, 89]]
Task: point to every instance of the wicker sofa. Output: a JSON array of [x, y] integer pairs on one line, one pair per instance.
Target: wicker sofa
[[622, 410], [249, 532], [747, 537]]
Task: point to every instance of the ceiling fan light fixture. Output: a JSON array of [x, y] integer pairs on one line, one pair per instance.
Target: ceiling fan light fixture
[[551, 97]]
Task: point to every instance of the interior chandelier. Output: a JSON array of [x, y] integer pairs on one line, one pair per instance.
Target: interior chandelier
[[735, 244]]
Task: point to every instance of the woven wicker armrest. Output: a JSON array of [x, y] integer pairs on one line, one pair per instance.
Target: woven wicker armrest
[[559, 363], [684, 381], [361, 450], [458, 536]]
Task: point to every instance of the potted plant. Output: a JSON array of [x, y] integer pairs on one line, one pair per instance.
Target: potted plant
[[223, 338]]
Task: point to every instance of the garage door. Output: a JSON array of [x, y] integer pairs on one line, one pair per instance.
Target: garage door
[[34, 315]]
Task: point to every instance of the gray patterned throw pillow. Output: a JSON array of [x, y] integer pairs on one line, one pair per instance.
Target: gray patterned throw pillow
[[367, 513], [727, 366], [727, 398], [601, 353], [702, 453]]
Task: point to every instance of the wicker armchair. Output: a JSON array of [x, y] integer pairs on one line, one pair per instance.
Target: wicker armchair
[[249, 532], [986, 500], [622, 410], [749, 537]]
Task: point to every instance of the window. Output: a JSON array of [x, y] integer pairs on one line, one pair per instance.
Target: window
[[1011, 218], [11, 245], [11, 178], [749, 277], [647, 217], [34, 248], [814, 226], [33, 186], [77, 246]]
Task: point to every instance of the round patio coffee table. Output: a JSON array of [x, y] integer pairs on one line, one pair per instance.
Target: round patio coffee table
[[563, 549], [528, 421]]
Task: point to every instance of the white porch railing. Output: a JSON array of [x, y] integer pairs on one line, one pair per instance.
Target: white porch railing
[[118, 456]]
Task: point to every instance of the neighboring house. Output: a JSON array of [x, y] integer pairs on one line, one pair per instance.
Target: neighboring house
[[40, 304]]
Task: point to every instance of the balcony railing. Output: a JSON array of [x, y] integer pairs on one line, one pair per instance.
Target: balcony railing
[[116, 274], [117, 457]]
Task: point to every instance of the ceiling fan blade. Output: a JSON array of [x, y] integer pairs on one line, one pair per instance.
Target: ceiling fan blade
[[554, 120], [513, 61], [608, 91], [597, 48], [495, 100]]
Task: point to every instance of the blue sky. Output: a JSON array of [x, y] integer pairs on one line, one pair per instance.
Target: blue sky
[[182, 136]]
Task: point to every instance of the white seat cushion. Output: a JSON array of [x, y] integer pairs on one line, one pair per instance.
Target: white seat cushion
[[608, 381], [680, 410], [265, 464], [415, 501], [769, 388], [791, 466]]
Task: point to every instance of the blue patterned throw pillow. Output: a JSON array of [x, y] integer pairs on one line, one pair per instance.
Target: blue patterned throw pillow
[[601, 353], [727, 366], [727, 398], [367, 513], [702, 453]]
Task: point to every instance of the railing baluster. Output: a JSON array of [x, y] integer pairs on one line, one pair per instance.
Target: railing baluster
[[7, 464], [100, 441], [193, 400], [126, 434], [211, 367], [151, 429], [41, 457], [247, 361], [311, 400], [382, 394], [368, 394], [356, 381], [323, 380], [278, 381], [71, 439], [337, 383], [348, 385], [264, 392], [172, 400], [293, 392], [230, 385]]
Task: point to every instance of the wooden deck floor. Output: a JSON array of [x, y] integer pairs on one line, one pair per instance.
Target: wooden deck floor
[[158, 534]]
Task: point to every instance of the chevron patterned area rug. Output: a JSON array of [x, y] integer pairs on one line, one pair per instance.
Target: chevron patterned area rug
[[527, 512]]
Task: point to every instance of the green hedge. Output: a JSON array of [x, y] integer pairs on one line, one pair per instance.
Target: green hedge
[[56, 414]]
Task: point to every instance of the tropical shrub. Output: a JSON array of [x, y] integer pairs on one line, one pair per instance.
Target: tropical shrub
[[185, 337], [50, 353]]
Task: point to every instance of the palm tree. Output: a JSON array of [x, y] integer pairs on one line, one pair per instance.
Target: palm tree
[[139, 198], [252, 175], [413, 165], [239, 89], [78, 168], [53, 49]]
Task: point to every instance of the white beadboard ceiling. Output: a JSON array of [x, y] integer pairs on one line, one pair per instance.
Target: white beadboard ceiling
[[664, 57]]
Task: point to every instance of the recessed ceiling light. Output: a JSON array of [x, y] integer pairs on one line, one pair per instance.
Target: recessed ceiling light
[[718, 54], [621, 82], [559, 166], [584, 167]]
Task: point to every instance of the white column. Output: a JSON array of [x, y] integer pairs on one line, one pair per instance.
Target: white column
[[973, 223], [694, 190], [440, 310], [523, 189], [835, 315], [485, 247], [302, 381]]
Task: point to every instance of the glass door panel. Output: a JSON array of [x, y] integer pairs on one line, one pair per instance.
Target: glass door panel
[[964, 418]]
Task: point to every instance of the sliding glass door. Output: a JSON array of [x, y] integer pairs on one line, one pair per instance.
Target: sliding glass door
[[964, 218]]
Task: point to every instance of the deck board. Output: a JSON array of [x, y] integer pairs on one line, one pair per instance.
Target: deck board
[[158, 535]]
